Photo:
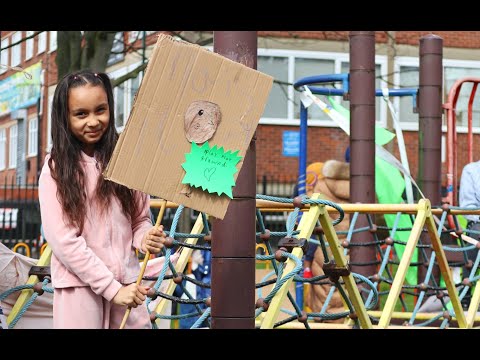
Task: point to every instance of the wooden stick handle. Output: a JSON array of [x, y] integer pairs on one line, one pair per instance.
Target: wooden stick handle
[[145, 261]]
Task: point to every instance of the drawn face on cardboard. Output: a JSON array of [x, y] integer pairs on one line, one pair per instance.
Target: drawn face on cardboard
[[201, 121]]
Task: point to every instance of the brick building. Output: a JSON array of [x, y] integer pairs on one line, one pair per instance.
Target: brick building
[[286, 55]]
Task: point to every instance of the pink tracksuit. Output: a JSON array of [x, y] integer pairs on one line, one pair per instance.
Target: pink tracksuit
[[89, 268]]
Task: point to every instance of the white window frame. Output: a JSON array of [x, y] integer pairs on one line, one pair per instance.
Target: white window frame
[[12, 146], [5, 55], [32, 137], [29, 45], [338, 58], [49, 124], [52, 41], [414, 61], [3, 149], [16, 54], [42, 42], [128, 97]]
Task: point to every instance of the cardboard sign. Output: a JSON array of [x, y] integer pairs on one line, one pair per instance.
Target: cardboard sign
[[151, 150]]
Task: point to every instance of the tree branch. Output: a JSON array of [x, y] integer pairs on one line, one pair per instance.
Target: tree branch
[[130, 75]]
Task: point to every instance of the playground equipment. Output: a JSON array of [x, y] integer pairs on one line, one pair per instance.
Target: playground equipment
[[452, 159], [286, 262]]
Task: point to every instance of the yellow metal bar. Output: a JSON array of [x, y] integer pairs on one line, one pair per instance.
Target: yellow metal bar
[[335, 326], [444, 268], [25, 246], [418, 316], [32, 280], [349, 208], [341, 261], [157, 203], [472, 310], [404, 263], [267, 205], [306, 226], [181, 264]]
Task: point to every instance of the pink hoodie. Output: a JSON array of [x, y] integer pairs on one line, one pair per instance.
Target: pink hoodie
[[103, 255]]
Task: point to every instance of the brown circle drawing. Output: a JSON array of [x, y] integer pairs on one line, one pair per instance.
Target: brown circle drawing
[[201, 121]]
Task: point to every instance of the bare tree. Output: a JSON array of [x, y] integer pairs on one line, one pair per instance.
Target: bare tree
[[92, 49], [77, 51]]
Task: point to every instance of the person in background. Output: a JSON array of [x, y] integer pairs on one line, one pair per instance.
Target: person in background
[[469, 197], [201, 271]]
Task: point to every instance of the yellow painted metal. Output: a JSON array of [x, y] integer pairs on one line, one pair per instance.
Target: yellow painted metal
[[306, 226], [341, 261], [25, 246], [444, 268], [271, 206], [472, 310], [157, 203], [314, 325], [404, 264], [32, 280], [181, 264], [42, 249], [418, 316]]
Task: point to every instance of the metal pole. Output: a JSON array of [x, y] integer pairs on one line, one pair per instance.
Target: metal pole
[[430, 129], [430, 118], [233, 238], [362, 142]]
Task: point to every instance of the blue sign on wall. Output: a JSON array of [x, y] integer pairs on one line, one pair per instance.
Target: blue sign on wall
[[291, 143]]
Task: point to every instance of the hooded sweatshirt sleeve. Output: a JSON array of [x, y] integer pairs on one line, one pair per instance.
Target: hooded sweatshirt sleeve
[[143, 222], [69, 247]]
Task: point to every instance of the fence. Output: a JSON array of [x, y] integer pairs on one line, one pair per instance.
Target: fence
[[20, 215]]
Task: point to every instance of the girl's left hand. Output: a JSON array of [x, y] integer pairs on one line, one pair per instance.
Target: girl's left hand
[[153, 240]]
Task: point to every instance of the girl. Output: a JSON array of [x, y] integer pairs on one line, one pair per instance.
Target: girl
[[92, 225]]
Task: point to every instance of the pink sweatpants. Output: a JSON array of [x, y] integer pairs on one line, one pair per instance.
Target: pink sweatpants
[[81, 308]]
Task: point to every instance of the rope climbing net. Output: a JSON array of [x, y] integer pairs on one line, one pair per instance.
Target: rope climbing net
[[435, 240]]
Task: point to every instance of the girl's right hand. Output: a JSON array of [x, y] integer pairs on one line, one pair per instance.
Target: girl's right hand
[[130, 295]]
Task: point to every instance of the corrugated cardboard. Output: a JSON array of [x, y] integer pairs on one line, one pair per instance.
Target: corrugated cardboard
[[152, 148]]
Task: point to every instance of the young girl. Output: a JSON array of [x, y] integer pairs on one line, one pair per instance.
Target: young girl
[[92, 225]]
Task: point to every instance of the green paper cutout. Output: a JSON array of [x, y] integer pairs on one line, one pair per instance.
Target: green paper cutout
[[211, 168]]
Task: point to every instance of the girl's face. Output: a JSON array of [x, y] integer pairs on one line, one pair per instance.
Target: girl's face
[[88, 115]]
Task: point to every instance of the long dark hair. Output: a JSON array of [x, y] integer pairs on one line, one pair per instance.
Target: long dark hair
[[65, 155]]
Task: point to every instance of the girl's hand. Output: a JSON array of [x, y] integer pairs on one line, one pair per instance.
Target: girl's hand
[[130, 295], [153, 240]]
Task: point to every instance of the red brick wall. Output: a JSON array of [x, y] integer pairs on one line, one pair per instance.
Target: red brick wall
[[330, 143], [458, 39]]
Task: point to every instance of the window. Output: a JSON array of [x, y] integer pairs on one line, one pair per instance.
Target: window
[[289, 66], [124, 95], [4, 56], [117, 50], [52, 44], [277, 105], [29, 46], [16, 49], [451, 75], [120, 105], [42, 42], [407, 76], [32, 137], [12, 154], [49, 123], [3, 149]]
